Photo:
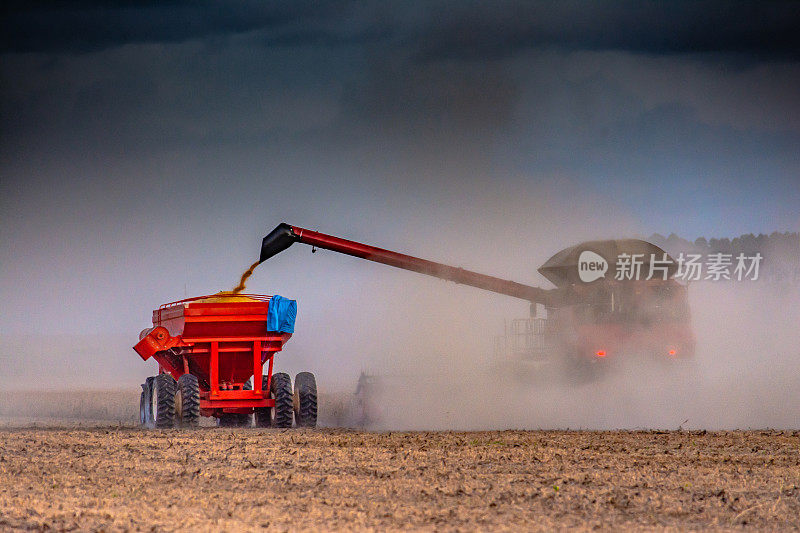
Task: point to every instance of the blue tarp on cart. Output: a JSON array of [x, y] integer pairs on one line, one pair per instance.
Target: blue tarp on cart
[[281, 314]]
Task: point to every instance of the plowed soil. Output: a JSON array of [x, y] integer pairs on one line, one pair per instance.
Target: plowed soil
[[117, 478]]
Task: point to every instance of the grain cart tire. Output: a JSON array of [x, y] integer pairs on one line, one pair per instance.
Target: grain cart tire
[[163, 401], [144, 401], [187, 401], [282, 392], [263, 415], [305, 400], [148, 402]]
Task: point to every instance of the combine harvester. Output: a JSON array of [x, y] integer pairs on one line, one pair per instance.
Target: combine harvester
[[590, 318], [208, 348]]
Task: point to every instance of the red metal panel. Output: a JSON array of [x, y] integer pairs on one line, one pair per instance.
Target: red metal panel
[[224, 318], [222, 404], [257, 365], [271, 339], [268, 387], [213, 368], [235, 394], [158, 339]]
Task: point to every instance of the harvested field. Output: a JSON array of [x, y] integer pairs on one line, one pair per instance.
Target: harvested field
[[119, 478]]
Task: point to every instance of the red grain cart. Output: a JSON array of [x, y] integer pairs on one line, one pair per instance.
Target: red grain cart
[[211, 351]]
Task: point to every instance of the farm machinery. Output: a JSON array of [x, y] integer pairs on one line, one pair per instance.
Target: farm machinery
[[639, 309], [592, 316], [211, 352]]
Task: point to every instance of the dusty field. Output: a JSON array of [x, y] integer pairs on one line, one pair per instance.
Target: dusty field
[[242, 479]]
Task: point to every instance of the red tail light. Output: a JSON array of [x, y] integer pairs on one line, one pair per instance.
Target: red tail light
[[672, 352], [600, 353]]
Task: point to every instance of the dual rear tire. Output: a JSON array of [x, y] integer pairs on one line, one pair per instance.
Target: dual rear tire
[[298, 404], [304, 400], [166, 403], [187, 401], [279, 416], [157, 402]]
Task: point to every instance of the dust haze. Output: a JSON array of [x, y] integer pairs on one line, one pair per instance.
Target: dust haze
[[435, 367], [744, 375]]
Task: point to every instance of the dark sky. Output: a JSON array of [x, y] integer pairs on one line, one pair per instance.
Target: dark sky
[[146, 147]]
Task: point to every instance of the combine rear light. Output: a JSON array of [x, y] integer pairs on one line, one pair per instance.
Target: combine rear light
[[600, 353], [672, 352]]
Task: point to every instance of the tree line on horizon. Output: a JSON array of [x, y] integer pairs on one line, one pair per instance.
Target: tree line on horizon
[[780, 251]]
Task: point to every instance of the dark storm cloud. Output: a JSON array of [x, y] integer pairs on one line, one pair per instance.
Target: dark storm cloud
[[412, 101], [91, 26], [493, 30], [444, 29]]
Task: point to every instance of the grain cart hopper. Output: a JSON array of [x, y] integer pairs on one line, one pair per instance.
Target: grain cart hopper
[[211, 351], [591, 317]]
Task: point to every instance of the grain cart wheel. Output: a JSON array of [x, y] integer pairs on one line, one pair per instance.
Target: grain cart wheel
[[282, 392], [263, 415], [305, 400], [163, 401], [144, 403], [187, 401], [147, 392]]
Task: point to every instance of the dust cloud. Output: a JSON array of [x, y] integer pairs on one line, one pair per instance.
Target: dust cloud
[[435, 368], [744, 375]]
